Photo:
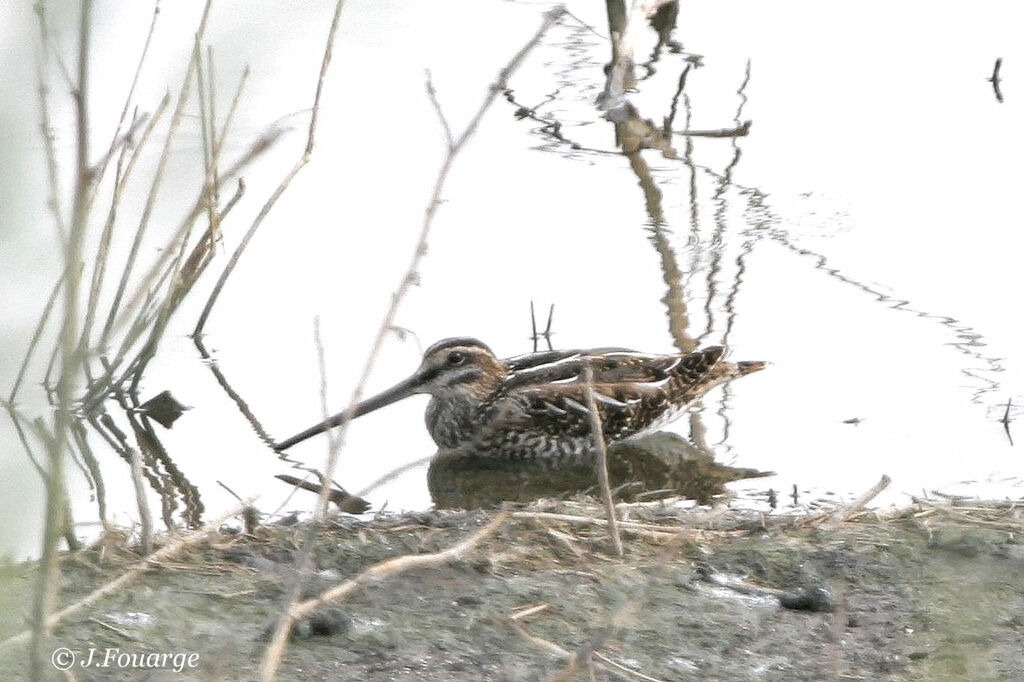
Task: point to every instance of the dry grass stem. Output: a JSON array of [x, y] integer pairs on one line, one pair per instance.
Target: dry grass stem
[[393, 474], [36, 335], [95, 476], [649, 529], [385, 569], [116, 140], [845, 512], [635, 674], [145, 518], [576, 659], [57, 513], [167, 552], [529, 611], [601, 463], [122, 174], [46, 123]]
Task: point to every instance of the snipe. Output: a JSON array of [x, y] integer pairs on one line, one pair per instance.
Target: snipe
[[519, 428]]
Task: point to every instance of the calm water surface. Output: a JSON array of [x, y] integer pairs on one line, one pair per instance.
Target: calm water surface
[[864, 237]]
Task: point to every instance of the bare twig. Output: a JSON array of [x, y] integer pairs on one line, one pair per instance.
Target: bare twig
[[229, 119], [858, 504], [116, 139], [274, 651], [1006, 420], [601, 458], [529, 611], [93, 465], [534, 336], [574, 659], [45, 123], [843, 513], [57, 513], [623, 669], [740, 130], [145, 518], [197, 333], [547, 328], [625, 526], [432, 96], [400, 564], [393, 474], [385, 569], [36, 335], [340, 420]]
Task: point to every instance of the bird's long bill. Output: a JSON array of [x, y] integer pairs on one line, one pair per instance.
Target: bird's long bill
[[401, 390], [751, 366]]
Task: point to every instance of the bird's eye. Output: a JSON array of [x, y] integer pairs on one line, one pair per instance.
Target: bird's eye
[[456, 358]]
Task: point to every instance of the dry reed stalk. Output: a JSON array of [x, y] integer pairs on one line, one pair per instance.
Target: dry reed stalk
[[36, 336], [597, 434], [836, 518], [393, 474], [101, 168], [57, 512], [385, 569], [627, 526]]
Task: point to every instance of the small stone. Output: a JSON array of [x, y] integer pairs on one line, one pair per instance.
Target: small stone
[[814, 599]]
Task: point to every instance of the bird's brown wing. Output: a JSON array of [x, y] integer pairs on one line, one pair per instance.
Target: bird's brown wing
[[632, 391]]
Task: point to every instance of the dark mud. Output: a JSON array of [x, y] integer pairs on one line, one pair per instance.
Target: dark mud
[[928, 594]]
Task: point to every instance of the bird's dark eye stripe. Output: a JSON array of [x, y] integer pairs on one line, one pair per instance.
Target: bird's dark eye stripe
[[464, 376], [429, 375]]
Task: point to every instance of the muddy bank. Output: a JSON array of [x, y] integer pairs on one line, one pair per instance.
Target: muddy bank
[[933, 592]]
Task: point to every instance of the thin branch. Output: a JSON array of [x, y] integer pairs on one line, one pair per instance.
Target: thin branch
[[17, 418], [871, 493], [93, 465], [46, 123], [573, 658], [385, 569], [393, 474], [392, 567], [116, 140], [432, 95], [229, 119], [36, 335], [649, 529], [57, 514], [601, 459]]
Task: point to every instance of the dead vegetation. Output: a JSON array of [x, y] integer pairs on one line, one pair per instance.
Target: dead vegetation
[[535, 593]]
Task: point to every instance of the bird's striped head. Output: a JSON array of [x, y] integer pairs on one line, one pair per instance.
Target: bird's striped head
[[459, 365]]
